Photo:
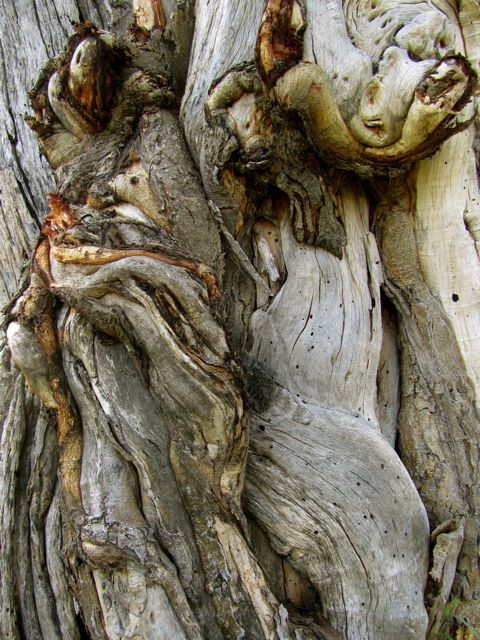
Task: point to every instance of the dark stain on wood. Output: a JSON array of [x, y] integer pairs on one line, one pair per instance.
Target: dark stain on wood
[[280, 41]]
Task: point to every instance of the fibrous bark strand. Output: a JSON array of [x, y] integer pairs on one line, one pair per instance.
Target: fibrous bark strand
[[173, 325]]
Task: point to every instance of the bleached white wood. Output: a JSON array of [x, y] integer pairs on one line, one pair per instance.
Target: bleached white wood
[[320, 337], [319, 438], [327, 44], [426, 29], [161, 408], [223, 38], [468, 17], [447, 197], [368, 560]]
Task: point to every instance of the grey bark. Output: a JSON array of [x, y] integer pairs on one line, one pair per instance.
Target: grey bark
[[201, 444]]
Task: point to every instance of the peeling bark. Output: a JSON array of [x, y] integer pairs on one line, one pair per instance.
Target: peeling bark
[[197, 349]]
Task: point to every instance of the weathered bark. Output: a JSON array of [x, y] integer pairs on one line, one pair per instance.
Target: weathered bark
[[216, 379]]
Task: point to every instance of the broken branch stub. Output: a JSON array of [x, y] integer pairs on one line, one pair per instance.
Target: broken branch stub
[[280, 41], [400, 114], [98, 84]]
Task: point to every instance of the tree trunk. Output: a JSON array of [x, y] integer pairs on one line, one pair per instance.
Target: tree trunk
[[241, 366]]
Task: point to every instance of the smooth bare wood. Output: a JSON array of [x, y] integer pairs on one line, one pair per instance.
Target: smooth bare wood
[[199, 347], [354, 98]]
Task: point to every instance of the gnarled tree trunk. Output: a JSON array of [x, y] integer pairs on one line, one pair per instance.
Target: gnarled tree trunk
[[241, 368]]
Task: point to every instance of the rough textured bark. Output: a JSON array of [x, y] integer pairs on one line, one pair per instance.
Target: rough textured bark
[[257, 275]]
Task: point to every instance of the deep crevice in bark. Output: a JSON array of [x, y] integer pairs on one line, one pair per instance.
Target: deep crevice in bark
[[141, 280]]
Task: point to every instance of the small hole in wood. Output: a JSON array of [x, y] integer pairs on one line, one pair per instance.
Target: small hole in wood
[[455, 297]]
